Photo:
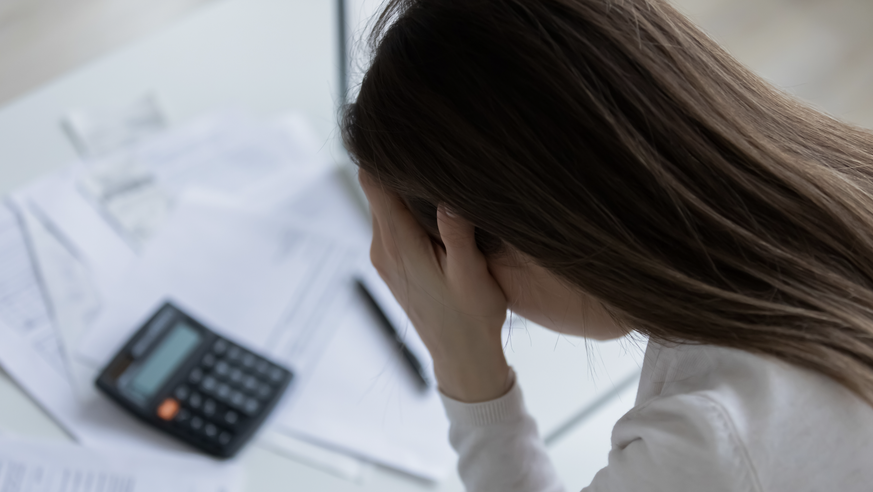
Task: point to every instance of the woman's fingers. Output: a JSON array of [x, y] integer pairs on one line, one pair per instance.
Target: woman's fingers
[[453, 301], [459, 237], [400, 232]]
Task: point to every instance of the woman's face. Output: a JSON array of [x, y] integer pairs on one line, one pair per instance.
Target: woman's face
[[538, 295]]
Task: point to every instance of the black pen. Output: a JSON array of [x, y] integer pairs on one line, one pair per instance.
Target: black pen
[[411, 359]]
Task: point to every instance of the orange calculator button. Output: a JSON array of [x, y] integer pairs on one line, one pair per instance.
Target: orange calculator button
[[168, 409]]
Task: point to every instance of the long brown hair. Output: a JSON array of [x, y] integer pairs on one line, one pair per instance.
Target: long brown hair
[[618, 146]]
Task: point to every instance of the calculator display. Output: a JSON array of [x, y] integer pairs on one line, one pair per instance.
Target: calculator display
[[164, 360]]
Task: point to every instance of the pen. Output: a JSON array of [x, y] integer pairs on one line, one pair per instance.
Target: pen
[[411, 359]]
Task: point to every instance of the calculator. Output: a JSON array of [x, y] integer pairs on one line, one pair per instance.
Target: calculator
[[186, 380]]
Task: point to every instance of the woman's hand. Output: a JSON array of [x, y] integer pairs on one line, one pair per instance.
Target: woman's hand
[[449, 295]]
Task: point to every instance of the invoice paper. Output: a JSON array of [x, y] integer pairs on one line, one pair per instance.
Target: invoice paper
[[30, 352], [50, 466]]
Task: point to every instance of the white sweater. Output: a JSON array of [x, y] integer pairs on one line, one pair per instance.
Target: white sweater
[[706, 419]]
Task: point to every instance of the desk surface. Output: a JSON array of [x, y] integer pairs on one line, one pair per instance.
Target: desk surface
[[265, 57], [261, 56]]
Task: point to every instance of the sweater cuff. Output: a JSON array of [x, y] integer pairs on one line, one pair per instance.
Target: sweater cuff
[[507, 408]]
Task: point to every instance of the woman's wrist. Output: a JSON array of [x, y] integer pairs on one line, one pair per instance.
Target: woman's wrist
[[474, 380]]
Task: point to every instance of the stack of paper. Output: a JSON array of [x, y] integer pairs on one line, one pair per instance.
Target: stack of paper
[[239, 223]]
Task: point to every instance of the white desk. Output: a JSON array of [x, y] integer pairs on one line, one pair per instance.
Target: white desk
[[265, 57]]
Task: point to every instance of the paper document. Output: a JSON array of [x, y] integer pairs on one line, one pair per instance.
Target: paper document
[[48, 466], [22, 305], [266, 257], [84, 412], [287, 290], [30, 352], [68, 289], [57, 201], [269, 284], [107, 209], [98, 132], [81, 254], [135, 187], [363, 398]]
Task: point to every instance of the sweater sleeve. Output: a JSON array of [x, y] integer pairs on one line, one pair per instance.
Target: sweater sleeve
[[682, 442], [499, 448]]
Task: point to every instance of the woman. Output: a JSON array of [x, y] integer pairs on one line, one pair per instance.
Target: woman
[[602, 167]]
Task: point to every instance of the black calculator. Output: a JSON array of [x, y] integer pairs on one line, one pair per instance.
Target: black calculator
[[186, 380]]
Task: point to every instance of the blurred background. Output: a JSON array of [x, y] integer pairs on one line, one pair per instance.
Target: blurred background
[[820, 50], [42, 39]]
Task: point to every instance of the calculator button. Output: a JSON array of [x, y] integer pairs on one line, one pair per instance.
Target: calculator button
[[224, 438], [196, 423], [223, 391], [234, 353], [209, 407], [219, 347], [250, 384], [183, 416], [276, 374], [196, 376], [264, 391], [248, 361], [208, 361], [182, 393], [262, 367], [251, 406], [237, 399], [195, 401], [236, 376], [168, 409], [209, 384], [222, 369], [210, 431], [231, 417]]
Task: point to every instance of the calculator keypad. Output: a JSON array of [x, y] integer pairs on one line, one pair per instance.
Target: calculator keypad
[[230, 386]]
